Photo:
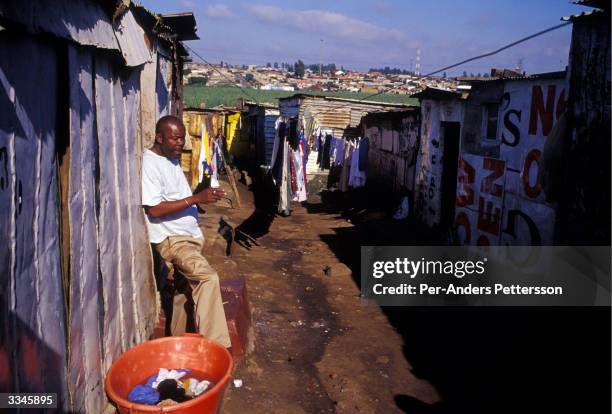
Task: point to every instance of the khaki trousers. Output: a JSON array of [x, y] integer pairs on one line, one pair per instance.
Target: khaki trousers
[[185, 254]]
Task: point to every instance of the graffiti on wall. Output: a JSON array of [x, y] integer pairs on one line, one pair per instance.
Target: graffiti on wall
[[393, 151], [429, 163], [501, 201]]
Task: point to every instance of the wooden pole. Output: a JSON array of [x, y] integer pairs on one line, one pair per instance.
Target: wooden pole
[[230, 176]]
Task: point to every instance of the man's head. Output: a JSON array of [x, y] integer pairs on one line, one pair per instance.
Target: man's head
[[170, 136]]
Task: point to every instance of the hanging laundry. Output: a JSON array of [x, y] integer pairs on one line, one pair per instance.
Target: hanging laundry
[[214, 179], [325, 163], [346, 166], [337, 151], [357, 178], [303, 151], [284, 205], [204, 161], [364, 147], [292, 171], [299, 193], [304, 145], [320, 140]]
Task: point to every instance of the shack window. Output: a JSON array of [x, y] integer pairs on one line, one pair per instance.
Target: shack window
[[491, 111]]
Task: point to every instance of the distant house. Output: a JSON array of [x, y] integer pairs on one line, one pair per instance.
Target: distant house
[[82, 84]]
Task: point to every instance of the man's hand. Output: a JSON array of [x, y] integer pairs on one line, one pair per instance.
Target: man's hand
[[209, 195], [165, 208]]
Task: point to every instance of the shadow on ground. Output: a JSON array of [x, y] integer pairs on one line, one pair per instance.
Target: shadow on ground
[[482, 360], [259, 222]]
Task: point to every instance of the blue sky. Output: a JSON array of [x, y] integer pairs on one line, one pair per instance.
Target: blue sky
[[362, 34]]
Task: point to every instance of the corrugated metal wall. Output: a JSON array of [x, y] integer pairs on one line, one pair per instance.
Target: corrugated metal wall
[[85, 363], [270, 118], [44, 344], [33, 332]]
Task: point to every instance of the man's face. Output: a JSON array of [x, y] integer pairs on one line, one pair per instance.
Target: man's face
[[172, 140]]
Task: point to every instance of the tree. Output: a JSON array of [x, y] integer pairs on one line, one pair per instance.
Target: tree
[[268, 65], [275, 65], [299, 68]]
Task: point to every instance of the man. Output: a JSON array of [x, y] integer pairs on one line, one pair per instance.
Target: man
[[172, 218]]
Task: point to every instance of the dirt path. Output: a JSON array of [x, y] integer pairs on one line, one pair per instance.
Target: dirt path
[[318, 347]]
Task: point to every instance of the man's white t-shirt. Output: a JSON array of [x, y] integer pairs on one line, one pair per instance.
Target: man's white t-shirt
[[163, 180]]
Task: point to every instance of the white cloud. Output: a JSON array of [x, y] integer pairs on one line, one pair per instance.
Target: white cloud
[[189, 4], [325, 23], [219, 11]]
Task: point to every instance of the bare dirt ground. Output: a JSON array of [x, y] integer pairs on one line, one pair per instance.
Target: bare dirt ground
[[318, 348]]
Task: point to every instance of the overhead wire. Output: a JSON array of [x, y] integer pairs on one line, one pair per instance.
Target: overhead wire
[[232, 81], [454, 65]]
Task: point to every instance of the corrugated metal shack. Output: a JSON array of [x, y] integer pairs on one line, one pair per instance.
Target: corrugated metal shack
[[442, 118], [393, 139], [221, 123], [339, 116], [82, 83], [500, 197], [584, 204], [261, 119]]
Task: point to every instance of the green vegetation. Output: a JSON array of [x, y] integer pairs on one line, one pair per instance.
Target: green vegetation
[[229, 96]]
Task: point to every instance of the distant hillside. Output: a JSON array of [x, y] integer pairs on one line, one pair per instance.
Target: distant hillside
[[227, 95]]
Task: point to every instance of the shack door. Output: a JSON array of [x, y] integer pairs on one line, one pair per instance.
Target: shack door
[[450, 132]]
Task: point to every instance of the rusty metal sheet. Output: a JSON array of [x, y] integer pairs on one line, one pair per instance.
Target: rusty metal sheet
[[81, 21], [85, 337], [36, 313], [131, 39]]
